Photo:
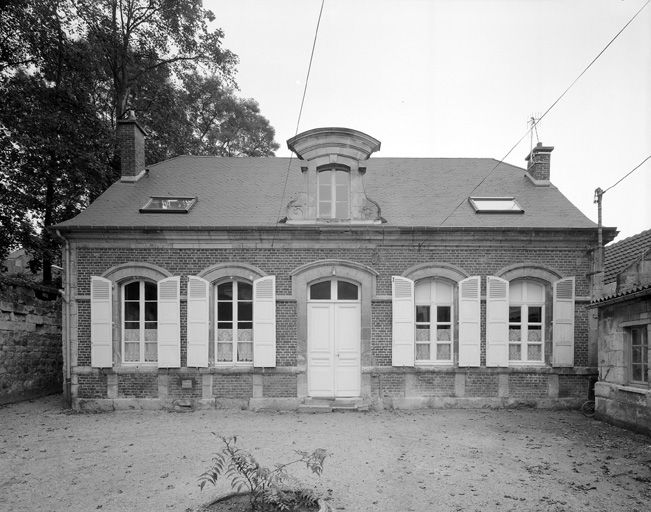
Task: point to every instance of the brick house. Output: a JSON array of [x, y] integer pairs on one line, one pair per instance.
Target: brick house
[[276, 282], [623, 393]]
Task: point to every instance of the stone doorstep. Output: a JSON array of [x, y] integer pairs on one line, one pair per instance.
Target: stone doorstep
[[323, 405]]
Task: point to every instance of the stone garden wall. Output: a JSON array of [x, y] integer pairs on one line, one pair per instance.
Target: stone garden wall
[[30, 340]]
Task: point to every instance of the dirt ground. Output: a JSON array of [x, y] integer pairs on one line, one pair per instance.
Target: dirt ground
[[430, 460]]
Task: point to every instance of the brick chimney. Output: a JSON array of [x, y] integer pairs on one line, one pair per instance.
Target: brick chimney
[[131, 141], [538, 163]]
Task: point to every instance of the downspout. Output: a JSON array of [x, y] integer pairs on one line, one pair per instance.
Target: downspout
[[66, 322]]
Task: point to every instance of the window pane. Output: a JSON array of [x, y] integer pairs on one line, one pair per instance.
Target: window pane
[[132, 352], [242, 326], [151, 291], [224, 325], [245, 311], [534, 352], [515, 314], [422, 292], [225, 311], [443, 313], [224, 334], [131, 333], [151, 352], [132, 291], [324, 209], [535, 333], [636, 354], [422, 314], [346, 291], [151, 334], [341, 178], [225, 352], [636, 373], [422, 351], [515, 353], [443, 352], [341, 210], [244, 291], [325, 192], [443, 334], [245, 352], [225, 291], [320, 291], [422, 333], [151, 311], [132, 311], [244, 334], [535, 314], [515, 334]]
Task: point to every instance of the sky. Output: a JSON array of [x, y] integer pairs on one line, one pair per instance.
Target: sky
[[462, 78]]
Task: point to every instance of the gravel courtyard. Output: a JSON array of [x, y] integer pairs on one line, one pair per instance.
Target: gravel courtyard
[[431, 460]]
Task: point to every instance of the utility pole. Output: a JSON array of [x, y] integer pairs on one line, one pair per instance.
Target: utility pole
[[599, 254]]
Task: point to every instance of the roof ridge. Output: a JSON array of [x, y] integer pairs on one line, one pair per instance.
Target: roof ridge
[[629, 238]]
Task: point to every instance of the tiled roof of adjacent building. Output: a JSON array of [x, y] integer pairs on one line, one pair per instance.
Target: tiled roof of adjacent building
[[620, 255], [411, 192]]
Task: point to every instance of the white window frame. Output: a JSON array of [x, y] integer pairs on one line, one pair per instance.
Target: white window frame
[[235, 320], [332, 170], [141, 321], [644, 337], [434, 324], [524, 323]]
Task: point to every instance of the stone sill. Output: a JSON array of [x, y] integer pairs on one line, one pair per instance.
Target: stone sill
[[634, 389]]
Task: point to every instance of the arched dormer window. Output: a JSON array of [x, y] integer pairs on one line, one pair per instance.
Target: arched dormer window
[[333, 191]]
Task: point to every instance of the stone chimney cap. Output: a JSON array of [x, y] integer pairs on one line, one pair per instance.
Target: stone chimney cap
[[539, 148], [129, 117]]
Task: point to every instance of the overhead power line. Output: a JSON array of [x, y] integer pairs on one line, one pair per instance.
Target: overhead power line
[[298, 121], [537, 121], [627, 174]]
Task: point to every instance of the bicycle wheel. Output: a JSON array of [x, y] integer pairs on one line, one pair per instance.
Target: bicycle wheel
[[587, 408]]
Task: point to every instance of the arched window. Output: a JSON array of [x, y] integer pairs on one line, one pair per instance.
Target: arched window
[[526, 321], [139, 322], [333, 192], [234, 314], [434, 300]]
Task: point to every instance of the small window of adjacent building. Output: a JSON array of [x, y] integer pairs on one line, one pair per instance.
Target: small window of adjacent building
[[639, 355], [334, 192], [495, 205], [168, 205]]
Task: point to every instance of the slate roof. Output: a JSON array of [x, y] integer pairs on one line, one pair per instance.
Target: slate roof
[[412, 192], [622, 254]]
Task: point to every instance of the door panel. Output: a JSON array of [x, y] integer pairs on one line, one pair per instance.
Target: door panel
[[347, 349], [320, 356]]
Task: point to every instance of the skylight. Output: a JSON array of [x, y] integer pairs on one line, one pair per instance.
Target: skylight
[[168, 205], [495, 205]]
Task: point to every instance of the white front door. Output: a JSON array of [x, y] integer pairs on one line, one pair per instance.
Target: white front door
[[333, 331]]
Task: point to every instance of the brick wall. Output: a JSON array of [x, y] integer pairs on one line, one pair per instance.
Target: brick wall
[[286, 333], [232, 386], [138, 385], [31, 358], [279, 385], [92, 386], [381, 325], [434, 384], [527, 386], [573, 386], [175, 389], [482, 384], [388, 385]]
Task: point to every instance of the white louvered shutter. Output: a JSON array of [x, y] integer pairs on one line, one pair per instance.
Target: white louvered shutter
[[264, 322], [563, 323], [101, 322], [402, 350], [497, 321], [198, 321], [469, 321], [169, 323]]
